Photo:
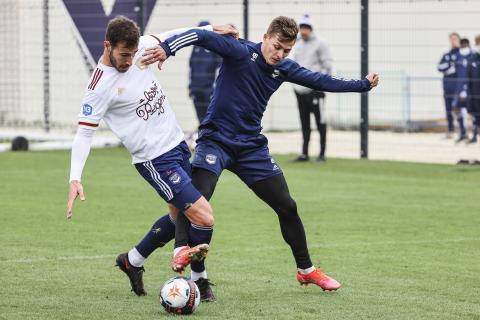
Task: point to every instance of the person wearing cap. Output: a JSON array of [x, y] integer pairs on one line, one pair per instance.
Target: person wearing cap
[[314, 54], [203, 71]]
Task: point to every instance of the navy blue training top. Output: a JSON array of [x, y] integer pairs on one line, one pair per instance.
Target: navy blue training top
[[246, 82]]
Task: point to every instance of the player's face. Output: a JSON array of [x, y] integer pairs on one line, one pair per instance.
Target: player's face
[[305, 32], [454, 41], [121, 57], [274, 50]]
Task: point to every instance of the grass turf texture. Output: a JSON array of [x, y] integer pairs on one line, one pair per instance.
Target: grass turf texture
[[402, 238]]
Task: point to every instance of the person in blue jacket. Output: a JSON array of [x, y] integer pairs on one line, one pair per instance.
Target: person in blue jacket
[[447, 67], [230, 134], [203, 70], [461, 96]]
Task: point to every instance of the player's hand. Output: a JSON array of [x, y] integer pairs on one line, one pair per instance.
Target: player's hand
[[373, 78], [154, 54], [76, 189], [226, 29]]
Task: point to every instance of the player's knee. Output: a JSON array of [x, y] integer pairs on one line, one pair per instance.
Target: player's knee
[[207, 220], [288, 209], [201, 213], [203, 218]]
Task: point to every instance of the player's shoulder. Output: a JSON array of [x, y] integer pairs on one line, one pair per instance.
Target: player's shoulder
[[99, 79], [148, 41], [287, 64]]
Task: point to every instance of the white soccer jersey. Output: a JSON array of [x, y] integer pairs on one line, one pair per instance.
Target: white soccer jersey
[[134, 106]]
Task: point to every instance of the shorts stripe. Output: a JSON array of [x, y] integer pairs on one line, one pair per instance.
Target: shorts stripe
[[156, 177]]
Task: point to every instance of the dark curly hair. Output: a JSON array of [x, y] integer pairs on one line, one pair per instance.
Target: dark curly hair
[[122, 29]]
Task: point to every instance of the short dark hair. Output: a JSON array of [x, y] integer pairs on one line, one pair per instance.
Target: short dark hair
[[464, 41], [285, 27], [122, 29]]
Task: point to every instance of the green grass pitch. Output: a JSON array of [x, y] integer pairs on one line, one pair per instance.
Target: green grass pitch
[[404, 240]]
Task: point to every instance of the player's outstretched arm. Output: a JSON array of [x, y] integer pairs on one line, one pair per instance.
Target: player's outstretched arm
[[158, 54], [80, 150], [225, 46], [324, 82]]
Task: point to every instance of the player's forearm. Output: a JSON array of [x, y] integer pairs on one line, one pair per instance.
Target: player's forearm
[[325, 82], [225, 46], [80, 150], [333, 84]]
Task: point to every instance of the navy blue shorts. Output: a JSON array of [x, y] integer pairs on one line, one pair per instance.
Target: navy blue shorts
[[247, 157], [170, 175]]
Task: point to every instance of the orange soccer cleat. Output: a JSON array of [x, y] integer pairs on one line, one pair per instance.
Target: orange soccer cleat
[[320, 279], [186, 255]]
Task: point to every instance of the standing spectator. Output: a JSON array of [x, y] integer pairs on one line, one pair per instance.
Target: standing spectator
[[313, 54], [474, 89], [447, 67], [460, 100], [203, 70]]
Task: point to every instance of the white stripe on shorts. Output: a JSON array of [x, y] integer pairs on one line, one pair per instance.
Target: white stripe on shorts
[[156, 177]]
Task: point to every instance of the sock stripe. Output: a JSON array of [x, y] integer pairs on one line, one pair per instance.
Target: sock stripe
[[202, 227]]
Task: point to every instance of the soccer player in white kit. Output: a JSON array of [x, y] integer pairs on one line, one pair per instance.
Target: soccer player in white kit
[[124, 92]]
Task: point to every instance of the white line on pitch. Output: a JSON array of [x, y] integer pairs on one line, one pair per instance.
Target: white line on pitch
[[331, 245]]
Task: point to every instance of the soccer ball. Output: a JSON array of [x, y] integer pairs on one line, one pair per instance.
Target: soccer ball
[[180, 295]]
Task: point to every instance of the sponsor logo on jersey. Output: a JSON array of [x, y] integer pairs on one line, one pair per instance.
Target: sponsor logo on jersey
[[87, 109], [175, 178], [152, 103], [211, 158], [275, 167], [275, 73], [254, 56]]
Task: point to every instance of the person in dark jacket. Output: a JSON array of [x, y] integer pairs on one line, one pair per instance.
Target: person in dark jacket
[[474, 89], [447, 67], [203, 70], [461, 96]]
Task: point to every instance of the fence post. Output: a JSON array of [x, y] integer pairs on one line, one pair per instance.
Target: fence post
[[46, 68], [364, 72], [245, 19], [140, 10]]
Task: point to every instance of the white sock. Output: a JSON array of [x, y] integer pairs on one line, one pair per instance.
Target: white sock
[[197, 275], [175, 251], [306, 271], [135, 258]]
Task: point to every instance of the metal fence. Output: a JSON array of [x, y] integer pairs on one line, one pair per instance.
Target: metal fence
[[45, 68]]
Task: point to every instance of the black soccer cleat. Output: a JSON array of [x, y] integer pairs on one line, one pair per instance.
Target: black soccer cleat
[[135, 274], [206, 292]]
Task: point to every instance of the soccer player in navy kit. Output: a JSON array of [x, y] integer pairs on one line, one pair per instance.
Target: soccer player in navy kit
[[474, 89], [230, 137], [447, 66]]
